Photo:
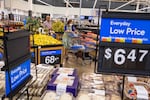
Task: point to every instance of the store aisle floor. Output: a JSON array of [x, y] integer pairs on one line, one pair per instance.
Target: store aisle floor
[[73, 62]]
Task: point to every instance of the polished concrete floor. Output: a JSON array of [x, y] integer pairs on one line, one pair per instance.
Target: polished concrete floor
[[82, 66]]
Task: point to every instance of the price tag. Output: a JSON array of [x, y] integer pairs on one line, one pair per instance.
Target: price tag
[[51, 57], [141, 93], [132, 79], [98, 82], [124, 60], [61, 89], [121, 56], [99, 92]]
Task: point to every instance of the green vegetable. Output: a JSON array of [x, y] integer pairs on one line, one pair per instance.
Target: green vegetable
[[58, 26]]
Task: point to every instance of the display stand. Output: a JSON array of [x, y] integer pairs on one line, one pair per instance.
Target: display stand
[[17, 61], [123, 83]]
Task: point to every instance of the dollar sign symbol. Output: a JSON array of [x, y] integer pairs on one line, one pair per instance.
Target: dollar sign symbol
[[108, 53]]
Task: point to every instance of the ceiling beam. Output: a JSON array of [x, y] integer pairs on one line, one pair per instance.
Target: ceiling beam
[[94, 4], [67, 2], [124, 4], [43, 2]]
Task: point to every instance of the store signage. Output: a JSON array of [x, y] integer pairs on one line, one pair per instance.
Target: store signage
[[125, 30], [17, 76], [124, 60], [124, 44], [51, 57]]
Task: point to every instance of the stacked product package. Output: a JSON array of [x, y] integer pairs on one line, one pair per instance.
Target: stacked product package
[[63, 85], [39, 83], [137, 88], [99, 87], [2, 83]]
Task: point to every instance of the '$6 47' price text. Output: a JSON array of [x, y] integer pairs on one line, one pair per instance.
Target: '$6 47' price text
[[120, 55]]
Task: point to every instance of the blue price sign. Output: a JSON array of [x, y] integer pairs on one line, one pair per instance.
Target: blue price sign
[[51, 56], [125, 30], [124, 43], [17, 76]]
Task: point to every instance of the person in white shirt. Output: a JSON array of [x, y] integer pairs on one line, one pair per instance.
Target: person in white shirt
[[48, 24]]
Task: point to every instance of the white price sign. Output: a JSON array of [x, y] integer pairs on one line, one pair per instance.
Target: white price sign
[[121, 55]]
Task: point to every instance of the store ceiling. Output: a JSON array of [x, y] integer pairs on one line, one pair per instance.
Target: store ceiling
[[90, 3]]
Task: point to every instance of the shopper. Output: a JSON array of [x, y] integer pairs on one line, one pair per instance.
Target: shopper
[[48, 24], [66, 36], [67, 40]]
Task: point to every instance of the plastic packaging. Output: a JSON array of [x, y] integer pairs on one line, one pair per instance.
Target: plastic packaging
[[51, 95], [131, 92]]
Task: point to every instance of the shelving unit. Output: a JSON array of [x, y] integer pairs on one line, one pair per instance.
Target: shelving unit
[[89, 38]]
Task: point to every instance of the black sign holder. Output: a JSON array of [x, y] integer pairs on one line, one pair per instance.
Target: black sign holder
[[8, 36], [123, 83], [120, 45], [35, 48]]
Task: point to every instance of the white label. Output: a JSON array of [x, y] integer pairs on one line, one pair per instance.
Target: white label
[[141, 92], [99, 92], [98, 82], [68, 71], [61, 89], [132, 79], [62, 75]]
